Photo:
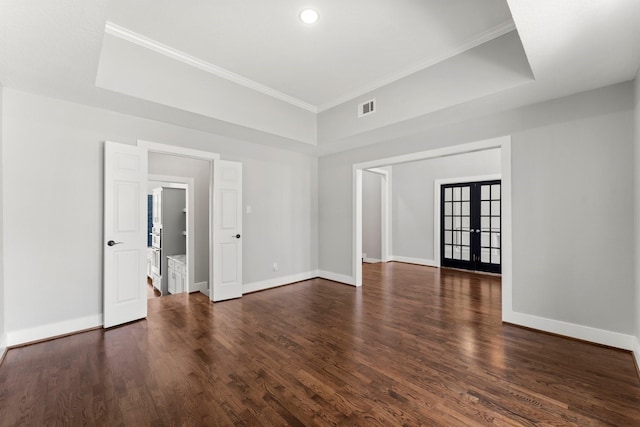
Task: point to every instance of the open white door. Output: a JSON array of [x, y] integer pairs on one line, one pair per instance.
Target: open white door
[[125, 243], [227, 230]]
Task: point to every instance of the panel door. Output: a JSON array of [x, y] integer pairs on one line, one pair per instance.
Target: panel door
[[125, 227], [471, 226], [227, 232]]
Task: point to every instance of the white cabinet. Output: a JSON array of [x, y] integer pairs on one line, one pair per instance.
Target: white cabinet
[[157, 207], [149, 261], [177, 273]]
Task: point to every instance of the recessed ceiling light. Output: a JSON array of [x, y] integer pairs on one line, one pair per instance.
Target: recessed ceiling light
[[309, 16]]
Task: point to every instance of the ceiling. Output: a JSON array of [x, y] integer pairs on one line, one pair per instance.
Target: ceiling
[[355, 46], [311, 76]]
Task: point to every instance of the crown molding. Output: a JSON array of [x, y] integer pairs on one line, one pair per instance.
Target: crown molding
[[133, 37], [475, 41]]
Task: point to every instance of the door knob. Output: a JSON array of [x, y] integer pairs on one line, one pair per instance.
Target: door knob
[[237, 236], [112, 243]]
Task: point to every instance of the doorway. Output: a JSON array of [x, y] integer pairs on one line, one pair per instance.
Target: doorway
[[470, 226], [172, 234], [502, 143]]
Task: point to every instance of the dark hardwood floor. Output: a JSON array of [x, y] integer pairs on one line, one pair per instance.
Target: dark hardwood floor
[[414, 346]]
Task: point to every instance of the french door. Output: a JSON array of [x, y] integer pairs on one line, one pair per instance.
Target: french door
[[470, 227]]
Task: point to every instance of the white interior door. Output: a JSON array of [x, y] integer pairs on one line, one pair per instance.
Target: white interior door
[[125, 226], [227, 230]]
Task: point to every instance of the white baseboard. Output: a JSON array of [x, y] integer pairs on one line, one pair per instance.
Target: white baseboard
[[278, 281], [371, 260], [3, 346], [37, 333], [636, 352], [419, 261], [347, 280], [200, 287], [572, 330]]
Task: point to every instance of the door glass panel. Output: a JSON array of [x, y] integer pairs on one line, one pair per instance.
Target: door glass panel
[[484, 239], [447, 223], [448, 253], [456, 194], [495, 256], [457, 237], [484, 223], [466, 254], [485, 255], [456, 208], [456, 222], [448, 210], [465, 238], [495, 191], [465, 208], [484, 208], [465, 222], [457, 253], [485, 192], [495, 240], [447, 237], [495, 208], [495, 223], [466, 193], [448, 194]]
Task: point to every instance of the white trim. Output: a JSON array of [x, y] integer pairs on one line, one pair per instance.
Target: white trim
[[419, 261], [278, 281], [437, 183], [37, 333], [357, 228], [177, 150], [371, 260], [490, 34], [155, 46], [188, 184], [636, 352], [3, 346], [572, 330], [335, 277], [140, 40], [200, 287]]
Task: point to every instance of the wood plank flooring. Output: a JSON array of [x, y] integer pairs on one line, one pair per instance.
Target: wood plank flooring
[[414, 346]]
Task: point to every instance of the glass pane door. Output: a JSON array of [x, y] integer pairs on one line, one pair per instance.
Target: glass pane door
[[471, 225]]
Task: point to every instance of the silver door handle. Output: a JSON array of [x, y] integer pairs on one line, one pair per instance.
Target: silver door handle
[[112, 243]]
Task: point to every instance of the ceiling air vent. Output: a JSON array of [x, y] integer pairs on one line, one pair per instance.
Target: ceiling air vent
[[367, 108]]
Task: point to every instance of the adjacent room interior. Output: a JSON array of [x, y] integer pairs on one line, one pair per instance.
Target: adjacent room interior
[[391, 213]]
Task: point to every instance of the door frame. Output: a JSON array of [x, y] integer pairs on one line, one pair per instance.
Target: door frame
[[188, 185], [504, 144], [437, 185], [193, 154]]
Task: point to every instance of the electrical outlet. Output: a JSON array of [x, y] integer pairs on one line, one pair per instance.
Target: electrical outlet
[[275, 266]]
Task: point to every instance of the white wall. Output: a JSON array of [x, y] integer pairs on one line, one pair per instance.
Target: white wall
[[3, 301], [637, 215], [371, 214], [571, 208], [164, 164], [53, 155], [492, 67], [412, 196]]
